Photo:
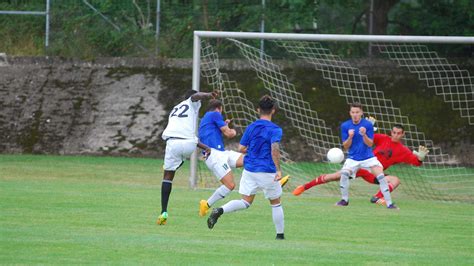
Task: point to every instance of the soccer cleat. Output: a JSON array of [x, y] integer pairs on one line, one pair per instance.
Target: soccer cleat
[[280, 236], [284, 180], [374, 199], [393, 207], [298, 190], [203, 208], [162, 219], [212, 220], [342, 203], [379, 201]]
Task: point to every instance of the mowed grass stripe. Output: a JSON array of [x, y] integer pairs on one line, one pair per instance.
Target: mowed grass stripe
[[60, 209]]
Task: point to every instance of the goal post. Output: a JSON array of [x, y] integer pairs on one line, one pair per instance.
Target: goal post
[[439, 178]]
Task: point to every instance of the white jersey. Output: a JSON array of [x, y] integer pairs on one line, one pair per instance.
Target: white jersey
[[182, 121]]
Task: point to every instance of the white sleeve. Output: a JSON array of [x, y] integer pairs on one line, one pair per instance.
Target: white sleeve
[[195, 105]]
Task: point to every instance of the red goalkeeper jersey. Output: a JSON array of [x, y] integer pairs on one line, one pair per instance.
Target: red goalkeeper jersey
[[389, 153]]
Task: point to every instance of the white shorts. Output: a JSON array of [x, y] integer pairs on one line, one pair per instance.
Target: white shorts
[[220, 162], [251, 182], [177, 150], [353, 166]]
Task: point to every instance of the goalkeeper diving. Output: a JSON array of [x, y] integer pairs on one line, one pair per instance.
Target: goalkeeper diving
[[389, 150]]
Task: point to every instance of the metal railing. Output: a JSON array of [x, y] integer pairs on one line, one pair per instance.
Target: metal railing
[[34, 13]]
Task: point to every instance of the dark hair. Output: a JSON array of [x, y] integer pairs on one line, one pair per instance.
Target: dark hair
[[189, 93], [355, 105], [266, 105], [213, 104], [399, 126]]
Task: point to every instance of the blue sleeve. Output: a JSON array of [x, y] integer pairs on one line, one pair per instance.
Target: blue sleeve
[[344, 133], [218, 119], [244, 141], [276, 135]]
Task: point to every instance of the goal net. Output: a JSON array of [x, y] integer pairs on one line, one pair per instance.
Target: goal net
[[440, 177]]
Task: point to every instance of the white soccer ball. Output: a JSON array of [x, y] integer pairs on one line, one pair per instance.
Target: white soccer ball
[[335, 155]]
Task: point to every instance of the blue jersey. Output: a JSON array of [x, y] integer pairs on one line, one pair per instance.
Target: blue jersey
[[358, 151], [258, 138], [210, 130]]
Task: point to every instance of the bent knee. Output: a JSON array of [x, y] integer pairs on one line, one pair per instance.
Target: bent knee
[[345, 172], [230, 186], [396, 181], [247, 203]]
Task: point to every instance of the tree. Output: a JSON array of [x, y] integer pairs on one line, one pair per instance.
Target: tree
[[442, 17], [358, 12], [380, 16]]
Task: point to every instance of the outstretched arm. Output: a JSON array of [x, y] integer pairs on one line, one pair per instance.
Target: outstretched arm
[[202, 145], [207, 150], [418, 156], [203, 95]]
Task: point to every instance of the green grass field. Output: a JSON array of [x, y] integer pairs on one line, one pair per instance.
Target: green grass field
[[64, 210]]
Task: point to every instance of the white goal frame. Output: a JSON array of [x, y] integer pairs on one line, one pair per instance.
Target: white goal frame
[[198, 35]]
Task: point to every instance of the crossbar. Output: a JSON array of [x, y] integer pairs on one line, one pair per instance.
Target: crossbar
[[335, 37]]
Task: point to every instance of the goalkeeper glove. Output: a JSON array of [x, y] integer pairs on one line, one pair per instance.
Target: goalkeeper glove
[[372, 120], [421, 152]]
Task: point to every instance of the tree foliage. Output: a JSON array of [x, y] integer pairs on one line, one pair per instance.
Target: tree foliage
[[128, 27], [443, 17]]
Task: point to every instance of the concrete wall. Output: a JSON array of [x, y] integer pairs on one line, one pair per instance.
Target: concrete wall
[[119, 106], [70, 108]]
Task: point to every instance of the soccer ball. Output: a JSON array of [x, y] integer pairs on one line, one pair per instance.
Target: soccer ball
[[335, 155]]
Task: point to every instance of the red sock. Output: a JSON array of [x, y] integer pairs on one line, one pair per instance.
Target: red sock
[[318, 181], [379, 193]]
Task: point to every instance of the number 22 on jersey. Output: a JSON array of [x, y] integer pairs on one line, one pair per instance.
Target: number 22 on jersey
[[182, 111]]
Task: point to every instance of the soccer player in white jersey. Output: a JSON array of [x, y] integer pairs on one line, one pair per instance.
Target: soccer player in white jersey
[[357, 137], [261, 143], [181, 141]]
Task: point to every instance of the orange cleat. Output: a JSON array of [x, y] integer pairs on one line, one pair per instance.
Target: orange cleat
[[381, 201], [298, 190]]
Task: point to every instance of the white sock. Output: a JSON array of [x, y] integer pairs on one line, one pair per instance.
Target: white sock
[[384, 188], [344, 184], [220, 193], [278, 218], [235, 205]]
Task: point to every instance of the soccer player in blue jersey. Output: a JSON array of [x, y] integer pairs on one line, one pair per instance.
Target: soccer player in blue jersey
[[357, 137], [219, 161], [261, 143]]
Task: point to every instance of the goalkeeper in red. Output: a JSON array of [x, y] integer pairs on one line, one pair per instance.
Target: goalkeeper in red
[[389, 150]]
